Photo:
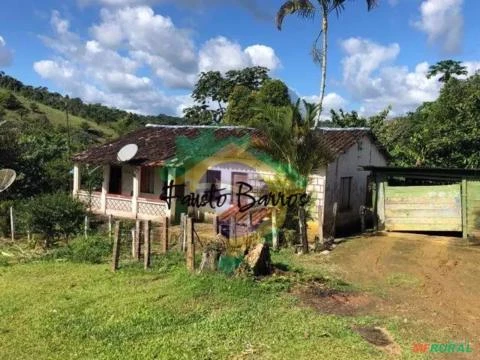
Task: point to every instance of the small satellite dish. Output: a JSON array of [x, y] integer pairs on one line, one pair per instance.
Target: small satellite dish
[[127, 152], [7, 177]]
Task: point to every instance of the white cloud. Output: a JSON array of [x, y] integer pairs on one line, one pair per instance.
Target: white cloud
[[134, 56], [331, 101], [261, 55], [442, 21], [375, 82], [221, 54], [6, 55], [151, 38]]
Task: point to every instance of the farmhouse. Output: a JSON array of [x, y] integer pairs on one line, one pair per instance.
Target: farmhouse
[[195, 158]]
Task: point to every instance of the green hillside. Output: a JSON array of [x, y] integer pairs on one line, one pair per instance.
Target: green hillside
[[37, 113]]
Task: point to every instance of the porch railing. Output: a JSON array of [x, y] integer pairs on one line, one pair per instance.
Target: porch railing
[[122, 206]]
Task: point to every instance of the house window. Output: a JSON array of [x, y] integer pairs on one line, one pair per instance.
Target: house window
[[345, 193], [214, 177], [147, 180]]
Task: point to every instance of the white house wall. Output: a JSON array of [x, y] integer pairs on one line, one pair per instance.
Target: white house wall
[[365, 152], [226, 169], [316, 189]]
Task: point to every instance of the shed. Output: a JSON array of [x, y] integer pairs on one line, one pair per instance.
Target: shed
[[427, 199]]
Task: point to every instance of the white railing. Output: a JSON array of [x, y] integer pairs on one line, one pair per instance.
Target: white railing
[[93, 200], [152, 208], [118, 204], [122, 206]]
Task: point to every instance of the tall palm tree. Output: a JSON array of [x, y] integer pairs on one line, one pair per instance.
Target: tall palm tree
[[447, 68], [306, 9], [292, 141]]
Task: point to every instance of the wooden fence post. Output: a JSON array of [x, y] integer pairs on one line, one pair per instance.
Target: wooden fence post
[[85, 226], [190, 245], [12, 224], [110, 220], [215, 225], [233, 229], [334, 223], [136, 250], [320, 223], [146, 238], [183, 232], [116, 246], [274, 229], [165, 235]]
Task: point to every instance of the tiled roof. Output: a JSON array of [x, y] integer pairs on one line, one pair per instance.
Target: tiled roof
[[339, 140], [157, 144]]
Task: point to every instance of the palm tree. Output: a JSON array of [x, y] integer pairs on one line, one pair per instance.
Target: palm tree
[[306, 9], [447, 68], [293, 141]]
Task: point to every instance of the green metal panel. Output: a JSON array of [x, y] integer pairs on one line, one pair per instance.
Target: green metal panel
[[473, 208], [423, 208]]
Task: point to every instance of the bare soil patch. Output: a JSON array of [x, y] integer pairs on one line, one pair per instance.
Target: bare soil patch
[[434, 280], [332, 301], [380, 338]]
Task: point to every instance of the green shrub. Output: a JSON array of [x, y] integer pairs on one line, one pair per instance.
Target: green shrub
[[94, 249], [55, 216]]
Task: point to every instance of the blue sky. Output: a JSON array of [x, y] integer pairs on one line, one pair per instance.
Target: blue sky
[[144, 55]]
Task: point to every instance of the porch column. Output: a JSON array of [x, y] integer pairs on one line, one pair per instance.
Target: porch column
[[171, 177], [137, 171], [76, 179], [105, 185]]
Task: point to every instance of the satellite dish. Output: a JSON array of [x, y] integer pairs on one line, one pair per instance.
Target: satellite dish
[[127, 152], [7, 177]]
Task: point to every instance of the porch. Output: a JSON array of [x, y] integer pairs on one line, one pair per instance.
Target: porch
[[128, 192]]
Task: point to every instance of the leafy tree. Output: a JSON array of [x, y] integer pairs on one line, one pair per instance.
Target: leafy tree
[[307, 9], [10, 102], [347, 119], [447, 68], [241, 106], [214, 88], [274, 92], [443, 133], [244, 103]]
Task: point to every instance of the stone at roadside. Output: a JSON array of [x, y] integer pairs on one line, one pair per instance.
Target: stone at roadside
[[258, 260], [210, 256], [325, 252]]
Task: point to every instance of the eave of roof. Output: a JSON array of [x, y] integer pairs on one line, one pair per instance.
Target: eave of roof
[[424, 172]]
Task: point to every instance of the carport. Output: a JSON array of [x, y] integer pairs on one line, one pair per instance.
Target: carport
[[426, 199]]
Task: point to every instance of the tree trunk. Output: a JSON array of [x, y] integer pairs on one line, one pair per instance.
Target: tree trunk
[[324, 62], [302, 226]]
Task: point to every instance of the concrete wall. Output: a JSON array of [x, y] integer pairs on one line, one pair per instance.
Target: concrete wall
[[316, 189], [365, 152]]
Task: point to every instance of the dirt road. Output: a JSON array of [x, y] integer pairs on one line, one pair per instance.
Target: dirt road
[[430, 279]]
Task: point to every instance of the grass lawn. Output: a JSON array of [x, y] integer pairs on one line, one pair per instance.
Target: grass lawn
[[63, 310]]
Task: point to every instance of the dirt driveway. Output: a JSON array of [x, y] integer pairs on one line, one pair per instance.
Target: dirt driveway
[[426, 279]]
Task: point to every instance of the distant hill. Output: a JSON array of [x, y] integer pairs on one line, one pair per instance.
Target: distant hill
[[37, 104]]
